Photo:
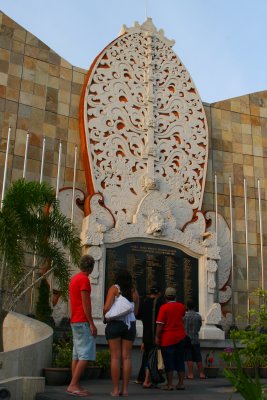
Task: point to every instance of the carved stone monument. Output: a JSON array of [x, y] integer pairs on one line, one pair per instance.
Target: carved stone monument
[[145, 146]]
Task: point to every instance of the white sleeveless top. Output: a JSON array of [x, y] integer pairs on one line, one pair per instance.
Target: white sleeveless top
[[127, 319]]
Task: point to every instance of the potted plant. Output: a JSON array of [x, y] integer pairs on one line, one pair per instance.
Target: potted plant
[[103, 361], [248, 387], [60, 372], [210, 370], [228, 357], [92, 371], [253, 339]]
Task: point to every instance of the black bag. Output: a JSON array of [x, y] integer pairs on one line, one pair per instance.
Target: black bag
[[155, 374]]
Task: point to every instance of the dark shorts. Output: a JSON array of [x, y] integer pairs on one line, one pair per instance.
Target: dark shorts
[[173, 357], [193, 353], [118, 329]]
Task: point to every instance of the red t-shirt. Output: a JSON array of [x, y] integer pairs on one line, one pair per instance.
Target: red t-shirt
[[78, 283], [171, 316]]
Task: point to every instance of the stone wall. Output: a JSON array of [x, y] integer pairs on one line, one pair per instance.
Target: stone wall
[[40, 92], [238, 148]]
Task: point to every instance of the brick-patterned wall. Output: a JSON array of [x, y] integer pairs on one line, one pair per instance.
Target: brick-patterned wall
[[238, 148], [40, 91]]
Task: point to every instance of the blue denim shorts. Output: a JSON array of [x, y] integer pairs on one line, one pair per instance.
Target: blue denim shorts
[[84, 344], [173, 357]]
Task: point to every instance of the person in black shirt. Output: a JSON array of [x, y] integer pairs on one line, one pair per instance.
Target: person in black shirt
[[148, 312]]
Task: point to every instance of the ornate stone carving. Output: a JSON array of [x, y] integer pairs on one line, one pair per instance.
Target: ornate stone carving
[[197, 227], [155, 225], [65, 201], [214, 314], [147, 140], [96, 252], [225, 294], [95, 224], [143, 117], [224, 259]]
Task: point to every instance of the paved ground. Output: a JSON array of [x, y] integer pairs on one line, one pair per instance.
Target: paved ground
[[209, 389]]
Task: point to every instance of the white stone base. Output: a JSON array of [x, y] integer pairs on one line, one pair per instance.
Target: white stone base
[[24, 388], [211, 332]]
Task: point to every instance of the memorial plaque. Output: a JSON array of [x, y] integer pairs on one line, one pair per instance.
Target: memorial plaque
[[153, 264]]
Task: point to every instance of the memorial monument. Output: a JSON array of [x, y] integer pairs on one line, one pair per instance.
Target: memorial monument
[[145, 151], [155, 180]]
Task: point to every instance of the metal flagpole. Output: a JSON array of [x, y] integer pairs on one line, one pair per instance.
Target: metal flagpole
[[216, 233], [57, 192], [73, 197], [42, 162], [58, 168], [3, 262], [74, 183], [32, 292], [246, 232], [261, 236], [5, 168], [26, 156], [232, 247]]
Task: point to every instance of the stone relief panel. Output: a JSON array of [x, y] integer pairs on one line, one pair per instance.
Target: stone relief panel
[[145, 125]]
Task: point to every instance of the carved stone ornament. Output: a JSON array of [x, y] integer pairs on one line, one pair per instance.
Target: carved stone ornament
[[143, 117], [146, 138], [214, 314], [95, 224]]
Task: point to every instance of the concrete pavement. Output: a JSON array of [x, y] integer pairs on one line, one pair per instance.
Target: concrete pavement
[[209, 389]]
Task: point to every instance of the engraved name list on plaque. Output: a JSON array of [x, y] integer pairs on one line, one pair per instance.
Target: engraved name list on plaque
[[153, 264]]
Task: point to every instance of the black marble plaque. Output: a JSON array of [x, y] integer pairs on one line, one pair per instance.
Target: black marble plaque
[[152, 264]]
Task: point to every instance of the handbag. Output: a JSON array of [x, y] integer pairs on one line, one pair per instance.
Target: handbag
[[160, 361], [155, 374], [119, 308]]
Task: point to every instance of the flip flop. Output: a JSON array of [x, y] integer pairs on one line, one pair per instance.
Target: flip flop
[[203, 377], [148, 387], [77, 393], [180, 387], [188, 377], [167, 388]]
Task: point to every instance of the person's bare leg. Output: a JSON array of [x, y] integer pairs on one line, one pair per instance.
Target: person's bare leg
[[147, 379], [115, 363], [180, 384], [190, 366], [126, 364], [201, 370], [169, 376], [77, 368]]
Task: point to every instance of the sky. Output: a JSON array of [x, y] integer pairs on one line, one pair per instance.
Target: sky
[[222, 43]]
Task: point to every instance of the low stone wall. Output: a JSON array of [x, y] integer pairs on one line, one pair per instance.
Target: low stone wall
[[27, 345], [24, 388]]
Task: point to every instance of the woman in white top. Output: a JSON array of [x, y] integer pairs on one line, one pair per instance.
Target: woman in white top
[[120, 333]]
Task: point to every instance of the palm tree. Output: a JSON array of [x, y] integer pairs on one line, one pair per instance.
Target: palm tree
[[31, 224]]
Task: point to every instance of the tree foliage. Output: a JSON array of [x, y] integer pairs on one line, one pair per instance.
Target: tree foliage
[[31, 225]]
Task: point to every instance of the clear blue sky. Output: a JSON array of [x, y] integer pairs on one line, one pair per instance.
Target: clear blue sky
[[222, 43]]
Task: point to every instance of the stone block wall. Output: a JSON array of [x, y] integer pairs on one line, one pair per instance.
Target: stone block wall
[[40, 92], [238, 149]]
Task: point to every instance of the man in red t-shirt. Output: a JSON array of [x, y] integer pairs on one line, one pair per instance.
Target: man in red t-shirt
[[83, 328], [170, 335]]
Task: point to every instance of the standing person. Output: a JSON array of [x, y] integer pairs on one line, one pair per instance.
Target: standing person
[[83, 328], [170, 335], [120, 333], [192, 324], [148, 312]]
